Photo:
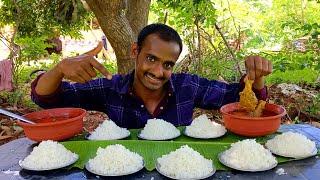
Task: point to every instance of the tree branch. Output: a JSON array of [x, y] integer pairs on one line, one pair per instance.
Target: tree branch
[[230, 50], [199, 68], [209, 39]]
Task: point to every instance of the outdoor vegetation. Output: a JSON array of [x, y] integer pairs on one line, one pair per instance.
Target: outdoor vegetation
[[217, 35]]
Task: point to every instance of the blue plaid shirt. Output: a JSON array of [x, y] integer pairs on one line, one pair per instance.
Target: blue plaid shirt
[[113, 97]]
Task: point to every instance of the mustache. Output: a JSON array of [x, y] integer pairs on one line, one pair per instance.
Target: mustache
[[150, 74]]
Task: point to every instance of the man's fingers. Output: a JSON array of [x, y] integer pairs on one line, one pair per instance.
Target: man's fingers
[[87, 67], [270, 68], [91, 72], [84, 75], [258, 67], [249, 62], [77, 79], [95, 50], [100, 68], [265, 68]]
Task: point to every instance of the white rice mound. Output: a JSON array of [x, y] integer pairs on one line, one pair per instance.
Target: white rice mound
[[115, 160], [291, 144], [108, 130], [202, 127], [48, 155], [159, 129], [185, 163], [248, 155]]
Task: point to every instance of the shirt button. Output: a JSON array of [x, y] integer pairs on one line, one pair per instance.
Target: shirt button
[[169, 94], [161, 107], [142, 105]]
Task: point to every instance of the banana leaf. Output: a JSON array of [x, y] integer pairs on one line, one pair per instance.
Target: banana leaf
[[151, 150]]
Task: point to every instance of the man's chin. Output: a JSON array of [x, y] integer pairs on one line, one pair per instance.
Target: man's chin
[[152, 86]]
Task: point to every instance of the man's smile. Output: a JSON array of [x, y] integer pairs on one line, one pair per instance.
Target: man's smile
[[152, 79]]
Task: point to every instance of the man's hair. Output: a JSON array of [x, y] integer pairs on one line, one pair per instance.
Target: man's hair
[[164, 32]]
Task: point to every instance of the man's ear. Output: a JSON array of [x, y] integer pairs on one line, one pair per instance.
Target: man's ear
[[134, 50]]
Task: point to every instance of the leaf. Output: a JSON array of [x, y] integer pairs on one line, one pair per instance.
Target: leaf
[[315, 34], [151, 150], [315, 25], [307, 27]]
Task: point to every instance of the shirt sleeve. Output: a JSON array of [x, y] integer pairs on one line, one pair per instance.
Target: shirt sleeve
[[212, 94], [45, 101], [91, 95]]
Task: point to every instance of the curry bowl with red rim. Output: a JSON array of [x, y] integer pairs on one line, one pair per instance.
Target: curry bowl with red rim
[[238, 121], [54, 124]]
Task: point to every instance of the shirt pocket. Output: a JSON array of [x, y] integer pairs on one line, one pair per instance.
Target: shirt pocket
[[185, 111]]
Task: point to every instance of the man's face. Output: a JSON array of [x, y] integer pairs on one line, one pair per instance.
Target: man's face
[[154, 63]]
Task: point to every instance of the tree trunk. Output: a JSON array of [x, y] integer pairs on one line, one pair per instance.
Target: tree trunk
[[120, 30], [137, 14]]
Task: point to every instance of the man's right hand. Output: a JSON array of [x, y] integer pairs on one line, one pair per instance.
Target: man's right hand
[[78, 69], [81, 68]]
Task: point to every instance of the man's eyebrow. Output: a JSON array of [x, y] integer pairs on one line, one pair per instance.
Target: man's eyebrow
[[156, 57], [172, 62]]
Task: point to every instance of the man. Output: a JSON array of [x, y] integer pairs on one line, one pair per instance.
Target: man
[[150, 91]]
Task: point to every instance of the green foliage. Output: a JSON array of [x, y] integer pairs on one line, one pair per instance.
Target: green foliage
[[296, 120], [259, 26], [55, 59], [32, 47], [268, 28], [34, 22], [45, 17], [19, 97], [185, 14], [188, 17], [111, 66], [13, 97], [313, 31], [214, 67], [22, 81], [293, 60], [314, 107], [307, 76], [23, 76], [195, 20]]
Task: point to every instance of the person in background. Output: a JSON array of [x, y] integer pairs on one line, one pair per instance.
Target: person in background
[[104, 42]]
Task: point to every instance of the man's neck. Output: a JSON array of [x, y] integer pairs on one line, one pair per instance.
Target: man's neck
[[148, 95], [150, 98]]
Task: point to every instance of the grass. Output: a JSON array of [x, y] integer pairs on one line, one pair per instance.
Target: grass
[[304, 76]]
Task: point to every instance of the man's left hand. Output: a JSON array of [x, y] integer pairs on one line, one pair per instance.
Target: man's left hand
[[257, 67]]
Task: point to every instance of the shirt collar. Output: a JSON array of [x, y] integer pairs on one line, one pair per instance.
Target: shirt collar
[[128, 84]]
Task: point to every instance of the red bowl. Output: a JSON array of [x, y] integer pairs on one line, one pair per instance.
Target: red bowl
[[54, 124], [239, 122]]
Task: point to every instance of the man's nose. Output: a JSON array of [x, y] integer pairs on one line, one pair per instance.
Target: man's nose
[[158, 70]]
